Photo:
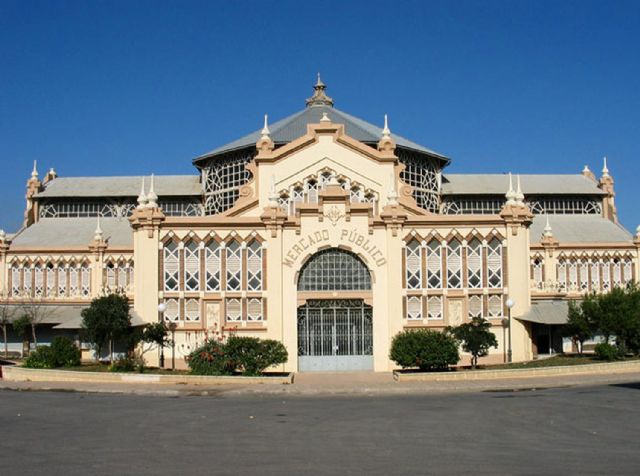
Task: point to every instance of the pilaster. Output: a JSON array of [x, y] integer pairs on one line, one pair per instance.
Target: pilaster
[[146, 223]]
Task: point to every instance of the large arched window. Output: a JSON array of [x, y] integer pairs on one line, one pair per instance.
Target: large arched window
[[334, 270]]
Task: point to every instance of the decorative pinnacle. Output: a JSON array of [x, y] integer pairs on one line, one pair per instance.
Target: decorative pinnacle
[[392, 196], [547, 232], [605, 170], [586, 169], [519, 195], [151, 196], [510, 195], [3, 235], [637, 232], [265, 129], [386, 133], [34, 172], [273, 195], [325, 117], [142, 198], [97, 235], [319, 97]]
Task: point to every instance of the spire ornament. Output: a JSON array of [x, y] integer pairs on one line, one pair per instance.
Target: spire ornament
[[265, 129], [97, 234], [142, 198], [152, 198], [386, 133], [392, 196], [273, 194], [319, 97], [519, 196], [548, 231], [34, 172], [510, 195]]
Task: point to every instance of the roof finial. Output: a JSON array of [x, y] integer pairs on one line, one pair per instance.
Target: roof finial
[[319, 97], [34, 172], [519, 195], [638, 232], [142, 198], [547, 232], [386, 133], [151, 196], [325, 117], [586, 169], [605, 170], [3, 234], [510, 195], [265, 129], [97, 235]]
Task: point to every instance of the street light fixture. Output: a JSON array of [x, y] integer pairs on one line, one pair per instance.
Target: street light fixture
[[161, 308], [510, 303], [172, 327]]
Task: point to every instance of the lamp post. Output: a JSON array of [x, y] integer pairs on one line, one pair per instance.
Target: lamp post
[[172, 328], [161, 308], [510, 303]]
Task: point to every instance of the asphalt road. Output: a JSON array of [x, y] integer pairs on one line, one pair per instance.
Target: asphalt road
[[582, 430]]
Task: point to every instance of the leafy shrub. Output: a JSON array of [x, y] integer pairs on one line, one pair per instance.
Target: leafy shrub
[[252, 356], [210, 359], [64, 352], [41, 358], [248, 355], [608, 352], [425, 349], [123, 364]]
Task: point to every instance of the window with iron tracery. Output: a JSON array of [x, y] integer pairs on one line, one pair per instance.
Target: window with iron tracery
[[171, 263], [478, 206], [413, 259], [254, 266], [474, 263], [192, 266], [222, 179], [423, 174], [334, 270], [494, 263], [234, 266], [565, 205], [454, 264]]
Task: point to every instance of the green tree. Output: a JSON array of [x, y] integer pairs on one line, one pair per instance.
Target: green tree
[[155, 335], [475, 337], [578, 327], [6, 315], [107, 320], [22, 327]]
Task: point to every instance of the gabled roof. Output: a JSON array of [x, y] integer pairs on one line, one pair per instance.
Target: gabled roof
[[164, 185], [497, 184], [73, 232], [580, 229], [295, 126]]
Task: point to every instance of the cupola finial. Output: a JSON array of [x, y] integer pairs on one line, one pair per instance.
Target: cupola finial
[[605, 169], [386, 132], [547, 232], [519, 195], [34, 172], [319, 97], [265, 130]]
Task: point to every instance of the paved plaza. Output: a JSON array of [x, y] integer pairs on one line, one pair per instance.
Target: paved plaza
[[574, 430]]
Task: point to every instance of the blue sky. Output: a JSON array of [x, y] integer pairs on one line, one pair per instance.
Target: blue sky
[[135, 87]]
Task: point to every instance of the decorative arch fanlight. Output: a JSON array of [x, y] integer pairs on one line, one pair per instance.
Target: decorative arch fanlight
[[334, 269]]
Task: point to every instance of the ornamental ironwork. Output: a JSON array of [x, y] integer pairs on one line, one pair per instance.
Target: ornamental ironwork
[[423, 174], [222, 179], [334, 270]]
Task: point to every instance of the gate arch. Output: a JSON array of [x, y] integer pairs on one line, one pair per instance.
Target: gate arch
[[336, 332]]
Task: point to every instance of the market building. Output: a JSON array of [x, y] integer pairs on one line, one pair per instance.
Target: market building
[[325, 232]]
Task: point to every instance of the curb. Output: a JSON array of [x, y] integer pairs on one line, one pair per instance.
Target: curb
[[566, 370], [21, 374]]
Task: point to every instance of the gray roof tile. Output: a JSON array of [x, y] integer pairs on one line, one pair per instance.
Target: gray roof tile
[[295, 126], [73, 232], [497, 184], [580, 229], [164, 185]]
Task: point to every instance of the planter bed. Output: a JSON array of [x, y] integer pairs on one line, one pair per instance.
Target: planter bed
[[21, 374], [524, 372]]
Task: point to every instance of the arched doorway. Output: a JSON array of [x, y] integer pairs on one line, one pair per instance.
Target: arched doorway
[[335, 322]]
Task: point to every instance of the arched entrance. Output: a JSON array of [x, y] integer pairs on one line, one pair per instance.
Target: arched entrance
[[335, 322]]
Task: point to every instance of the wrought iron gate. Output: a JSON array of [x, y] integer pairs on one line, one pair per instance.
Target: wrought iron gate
[[335, 335]]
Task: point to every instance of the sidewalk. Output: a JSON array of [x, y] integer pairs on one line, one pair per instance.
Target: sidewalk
[[327, 384]]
